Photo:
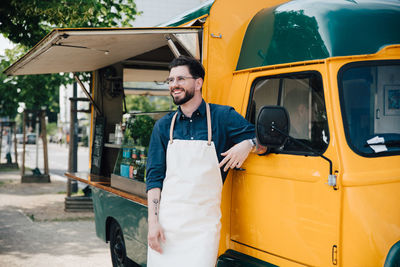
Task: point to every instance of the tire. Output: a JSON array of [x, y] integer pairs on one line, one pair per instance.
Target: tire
[[117, 247]]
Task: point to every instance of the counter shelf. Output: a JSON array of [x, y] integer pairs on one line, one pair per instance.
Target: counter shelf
[[132, 186], [104, 183], [112, 145]]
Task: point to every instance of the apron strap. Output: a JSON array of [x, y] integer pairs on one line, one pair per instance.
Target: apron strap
[[171, 130], [209, 129]]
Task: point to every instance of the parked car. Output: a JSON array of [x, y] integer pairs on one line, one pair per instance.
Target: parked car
[[31, 138], [20, 138]]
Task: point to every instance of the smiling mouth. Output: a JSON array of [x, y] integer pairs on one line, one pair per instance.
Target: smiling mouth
[[177, 91]]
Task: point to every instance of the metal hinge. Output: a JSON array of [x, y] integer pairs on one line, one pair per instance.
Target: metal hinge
[[334, 255], [332, 179], [216, 36]]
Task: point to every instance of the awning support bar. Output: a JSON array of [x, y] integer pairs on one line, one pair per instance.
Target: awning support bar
[[87, 94], [172, 46]]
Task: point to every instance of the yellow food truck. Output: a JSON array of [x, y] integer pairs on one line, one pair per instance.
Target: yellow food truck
[[321, 82]]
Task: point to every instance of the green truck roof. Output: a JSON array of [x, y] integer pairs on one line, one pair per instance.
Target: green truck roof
[[303, 30], [201, 10]]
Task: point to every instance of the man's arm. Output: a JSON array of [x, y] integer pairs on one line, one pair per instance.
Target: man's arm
[[241, 132], [156, 167], [155, 233]]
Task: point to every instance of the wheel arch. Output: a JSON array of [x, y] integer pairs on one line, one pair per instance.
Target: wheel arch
[[109, 220]]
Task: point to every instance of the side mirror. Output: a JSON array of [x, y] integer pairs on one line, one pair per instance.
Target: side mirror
[[272, 130], [269, 119]]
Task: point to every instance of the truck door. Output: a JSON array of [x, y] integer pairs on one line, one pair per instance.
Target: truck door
[[281, 204]]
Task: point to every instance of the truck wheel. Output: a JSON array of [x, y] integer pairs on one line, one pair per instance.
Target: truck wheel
[[117, 247]]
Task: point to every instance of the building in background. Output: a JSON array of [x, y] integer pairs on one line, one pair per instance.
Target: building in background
[[66, 92]]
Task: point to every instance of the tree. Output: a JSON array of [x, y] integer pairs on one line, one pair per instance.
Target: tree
[[139, 103], [27, 22], [149, 103]]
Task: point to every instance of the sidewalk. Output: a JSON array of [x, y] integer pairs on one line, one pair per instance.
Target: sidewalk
[[35, 230]]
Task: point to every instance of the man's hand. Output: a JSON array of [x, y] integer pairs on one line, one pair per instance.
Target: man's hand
[[155, 235], [236, 155]]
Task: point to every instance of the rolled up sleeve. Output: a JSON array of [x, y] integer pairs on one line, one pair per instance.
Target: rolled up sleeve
[[238, 128]]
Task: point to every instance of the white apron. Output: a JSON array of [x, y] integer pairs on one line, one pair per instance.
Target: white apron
[[190, 204]]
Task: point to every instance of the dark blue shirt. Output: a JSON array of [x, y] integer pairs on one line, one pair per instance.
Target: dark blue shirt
[[228, 129]]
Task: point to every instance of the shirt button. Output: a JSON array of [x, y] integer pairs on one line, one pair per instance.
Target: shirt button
[[191, 138], [191, 120]]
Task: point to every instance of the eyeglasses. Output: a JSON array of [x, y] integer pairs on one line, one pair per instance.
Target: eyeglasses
[[179, 79]]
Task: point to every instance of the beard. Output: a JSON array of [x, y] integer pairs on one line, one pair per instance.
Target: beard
[[187, 96]]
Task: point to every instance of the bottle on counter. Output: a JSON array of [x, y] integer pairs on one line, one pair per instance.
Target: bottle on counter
[[142, 166], [125, 162], [126, 153], [124, 171], [118, 134], [137, 164], [133, 165]]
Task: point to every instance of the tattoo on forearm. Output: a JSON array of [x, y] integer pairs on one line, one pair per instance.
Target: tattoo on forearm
[[155, 201]]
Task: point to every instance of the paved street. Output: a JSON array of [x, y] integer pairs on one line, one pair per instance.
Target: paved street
[[58, 158], [34, 229]]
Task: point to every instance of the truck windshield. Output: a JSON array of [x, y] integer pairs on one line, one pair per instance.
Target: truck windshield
[[370, 103]]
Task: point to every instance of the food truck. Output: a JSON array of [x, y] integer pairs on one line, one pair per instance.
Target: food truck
[[321, 82]]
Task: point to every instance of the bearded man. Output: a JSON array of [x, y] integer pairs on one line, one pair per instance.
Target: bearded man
[[190, 153]]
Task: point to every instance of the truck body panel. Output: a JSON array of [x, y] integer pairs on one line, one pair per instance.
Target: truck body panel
[[130, 215]]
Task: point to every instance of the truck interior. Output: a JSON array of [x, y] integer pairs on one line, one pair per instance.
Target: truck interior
[[370, 99]]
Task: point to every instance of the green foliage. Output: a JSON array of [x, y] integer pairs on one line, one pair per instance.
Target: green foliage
[[163, 103], [51, 128], [85, 141], [27, 22], [35, 91], [149, 103], [140, 129], [139, 103]]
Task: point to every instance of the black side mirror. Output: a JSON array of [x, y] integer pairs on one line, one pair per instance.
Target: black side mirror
[[272, 130], [269, 119]]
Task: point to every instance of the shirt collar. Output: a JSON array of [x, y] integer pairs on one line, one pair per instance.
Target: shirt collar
[[201, 111]]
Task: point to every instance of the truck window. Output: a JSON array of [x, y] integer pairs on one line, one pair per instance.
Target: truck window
[[370, 103], [303, 97]]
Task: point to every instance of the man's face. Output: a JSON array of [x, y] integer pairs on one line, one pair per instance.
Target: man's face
[[182, 88]]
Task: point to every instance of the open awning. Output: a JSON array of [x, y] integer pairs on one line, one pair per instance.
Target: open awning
[[89, 49]]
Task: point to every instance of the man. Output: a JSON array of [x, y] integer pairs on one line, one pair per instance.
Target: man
[[190, 152]]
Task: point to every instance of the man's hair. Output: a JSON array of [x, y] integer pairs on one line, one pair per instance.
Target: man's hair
[[195, 67]]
